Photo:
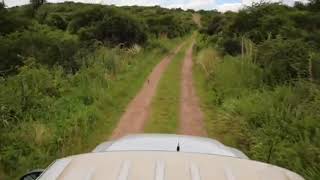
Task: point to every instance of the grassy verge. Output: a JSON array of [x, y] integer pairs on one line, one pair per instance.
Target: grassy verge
[[227, 132], [69, 113], [269, 124], [200, 84], [165, 105]]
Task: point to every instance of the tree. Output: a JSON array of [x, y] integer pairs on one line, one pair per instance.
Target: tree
[[2, 4], [216, 25], [283, 59], [121, 29], [314, 5], [37, 3]]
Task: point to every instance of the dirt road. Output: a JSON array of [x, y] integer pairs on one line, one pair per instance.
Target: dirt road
[[197, 19], [191, 116], [138, 110]]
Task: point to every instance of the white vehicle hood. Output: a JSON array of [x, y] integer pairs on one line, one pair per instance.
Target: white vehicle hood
[[153, 156], [160, 165], [166, 142]]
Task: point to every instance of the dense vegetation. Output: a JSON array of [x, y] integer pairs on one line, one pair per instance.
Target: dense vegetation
[[68, 70], [259, 74]]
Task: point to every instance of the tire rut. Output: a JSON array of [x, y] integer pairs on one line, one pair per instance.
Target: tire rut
[[191, 116]]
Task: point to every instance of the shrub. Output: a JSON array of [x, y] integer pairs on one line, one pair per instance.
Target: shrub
[[281, 121], [169, 25], [11, 21], [107, 25], [233, 77], [216, 25], [283, 60], [86, 17], [47, 46], [57, 21], [121, 28], [231, 46]]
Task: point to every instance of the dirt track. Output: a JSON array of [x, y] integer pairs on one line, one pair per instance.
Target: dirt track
[[191, 116], [138, 110]]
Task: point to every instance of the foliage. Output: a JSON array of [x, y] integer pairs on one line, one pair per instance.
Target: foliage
[[108, 26], [217, 24], [35, 4], [74, 27], [57, 21], [231, 46], [286, 38], [113, 25], [261, 94], [10, 21], [264, 21], [284, 60], [165, 26], [40, 42], [56, 34]]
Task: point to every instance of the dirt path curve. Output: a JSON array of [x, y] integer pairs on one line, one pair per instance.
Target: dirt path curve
[[191, 116], [137, 112], [197, 19]]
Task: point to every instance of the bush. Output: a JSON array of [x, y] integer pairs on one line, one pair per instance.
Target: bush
[[279, 122], [284, 60], [47, 46], [170, 26], [121, 29], [233, 77], [88, 16], [57, 21], [109, 26], [231, 46], [10, 21]]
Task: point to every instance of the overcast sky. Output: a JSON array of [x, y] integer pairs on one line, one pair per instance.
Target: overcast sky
[[221, 5]]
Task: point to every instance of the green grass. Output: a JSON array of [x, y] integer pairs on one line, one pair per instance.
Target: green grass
[[200, 84], [219, 125], [226, 132], [165, 105], [204, 62]]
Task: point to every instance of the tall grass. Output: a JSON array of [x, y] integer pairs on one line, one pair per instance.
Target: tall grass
[[47, 114], [278, 125]]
